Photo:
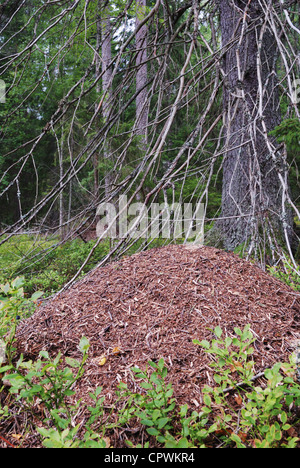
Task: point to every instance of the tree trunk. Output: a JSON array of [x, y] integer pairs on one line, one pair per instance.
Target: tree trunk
[[106, 88], [98, 90], [61, 175], [253, 196], [141, 76]]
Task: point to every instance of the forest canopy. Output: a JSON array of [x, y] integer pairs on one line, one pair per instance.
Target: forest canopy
[[166, 102]]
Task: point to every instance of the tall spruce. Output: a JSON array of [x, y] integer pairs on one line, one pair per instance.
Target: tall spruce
[[141, 74], [253, 196]]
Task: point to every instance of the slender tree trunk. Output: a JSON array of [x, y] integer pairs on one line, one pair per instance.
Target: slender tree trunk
[[98, 90], [141, 81], [253, 197], [69, 228], [141, 76], [102, 61], [61, 175], [106, 87]]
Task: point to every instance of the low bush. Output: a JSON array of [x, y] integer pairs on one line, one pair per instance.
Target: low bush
[[44, 264], [288, 274]]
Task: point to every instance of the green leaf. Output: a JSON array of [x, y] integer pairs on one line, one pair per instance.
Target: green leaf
[[162, 422], [69, 392], [228, 341], [44, 432], [5, 288], [235, 438], [206, 410], [247, 335], [218, 332], [36, 295], [183, 443], [84, 344], [263, 444], [283, 417], [217, 378], [156, 414], [18, 282], [73, 362], [152, 431], [207, 400], [44, 354], [98, 391], [146, 385], [147, 422], [152, 364], [169, 392], [5, 369], [161, 364], [184, 410], [205, 344], [155, 378], [286, 427], [236, 342]]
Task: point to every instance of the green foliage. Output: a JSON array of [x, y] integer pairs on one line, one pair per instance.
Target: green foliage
[[45, 265], [266, 409], [231, 353], [288, 274], [47, 379], [51, 382], [262, 415], [13, 306], [155, 409], [15, 252], [288, 132]]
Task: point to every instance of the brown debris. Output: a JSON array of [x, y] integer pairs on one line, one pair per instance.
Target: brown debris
[[152, 305]]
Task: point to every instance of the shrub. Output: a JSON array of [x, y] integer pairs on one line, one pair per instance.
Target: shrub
[[288, 274]]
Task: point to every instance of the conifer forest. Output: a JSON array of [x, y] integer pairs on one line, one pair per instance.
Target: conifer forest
[[161, 102]]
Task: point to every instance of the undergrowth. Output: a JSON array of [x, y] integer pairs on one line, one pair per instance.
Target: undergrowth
[[235, 412], [287, 273], [44, 263]]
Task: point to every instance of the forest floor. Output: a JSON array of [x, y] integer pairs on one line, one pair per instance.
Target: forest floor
[[153, 305]]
